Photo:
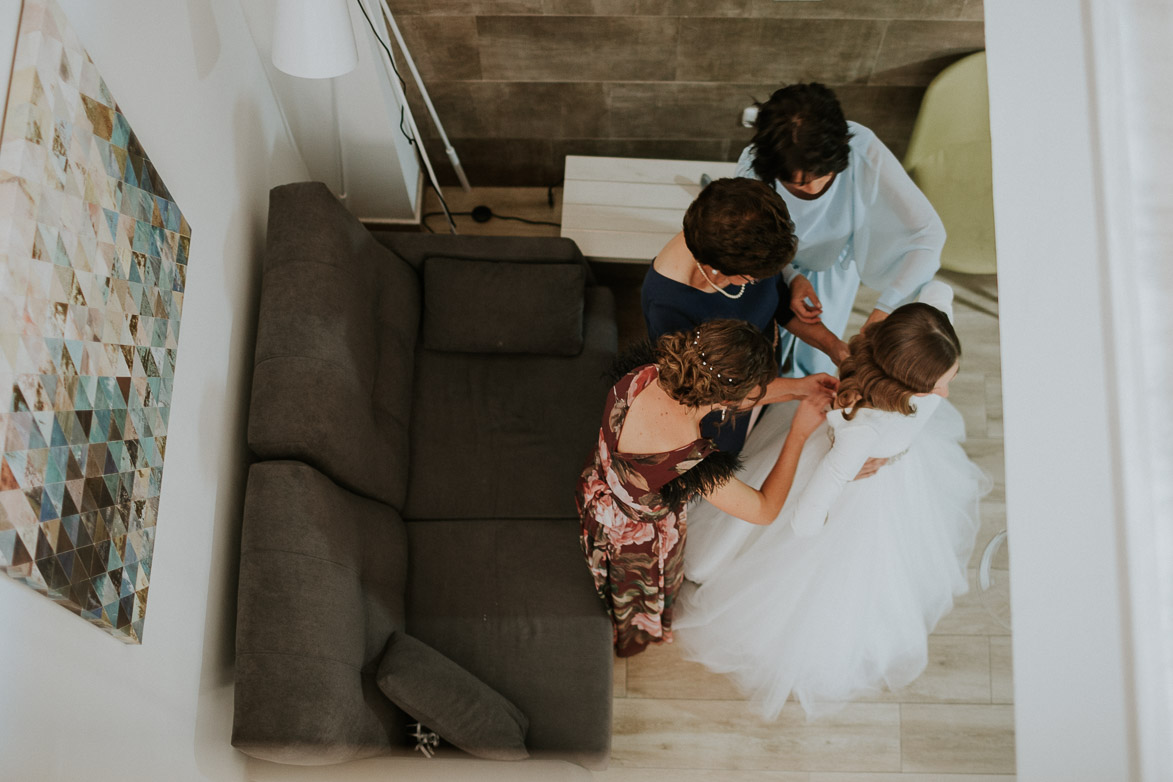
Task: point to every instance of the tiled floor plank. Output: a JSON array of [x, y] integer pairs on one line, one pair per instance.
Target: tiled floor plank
[[958, 672], [730, 735], [660, 672], [619, 677], [957, 739], [833, 777], [696, 775], [972, 615], [1001, 670]]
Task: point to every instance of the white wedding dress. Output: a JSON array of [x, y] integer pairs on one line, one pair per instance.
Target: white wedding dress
[[836, 598]]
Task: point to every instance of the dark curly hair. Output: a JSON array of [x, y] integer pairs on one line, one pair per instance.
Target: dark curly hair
[[716, 362], [904, 354], [800, 130], [740, 226]]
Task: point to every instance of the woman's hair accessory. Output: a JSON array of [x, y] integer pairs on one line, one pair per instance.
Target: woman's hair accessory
[[697, 341]]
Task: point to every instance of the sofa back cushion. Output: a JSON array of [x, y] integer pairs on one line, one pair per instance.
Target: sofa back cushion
[[506, 436], [487, 306], [336, 336]]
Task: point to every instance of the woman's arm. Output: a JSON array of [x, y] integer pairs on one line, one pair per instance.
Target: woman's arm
[[763, 506], [853, 445], [784, 389], [801, 291], [901, 217], [819, 337]]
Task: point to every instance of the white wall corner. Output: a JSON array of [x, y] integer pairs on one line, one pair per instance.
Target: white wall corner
[[1130, 73], [1073, 710], [382, 173]]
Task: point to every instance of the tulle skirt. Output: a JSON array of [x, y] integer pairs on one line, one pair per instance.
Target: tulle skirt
[[848, 611]]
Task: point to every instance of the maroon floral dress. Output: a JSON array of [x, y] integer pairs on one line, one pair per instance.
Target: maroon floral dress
[[633, 540]]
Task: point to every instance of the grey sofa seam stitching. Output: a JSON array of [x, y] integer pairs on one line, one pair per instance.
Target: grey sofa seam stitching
[[302, 554], [302, 355], [303, 656], [288, 263]]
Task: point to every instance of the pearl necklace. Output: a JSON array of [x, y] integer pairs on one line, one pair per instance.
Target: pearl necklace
[[713, 285]]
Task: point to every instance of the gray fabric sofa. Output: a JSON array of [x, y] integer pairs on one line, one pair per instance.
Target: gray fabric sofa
[[417, 450]]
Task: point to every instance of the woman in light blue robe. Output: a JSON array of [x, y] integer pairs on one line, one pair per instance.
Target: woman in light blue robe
[[857, 215]]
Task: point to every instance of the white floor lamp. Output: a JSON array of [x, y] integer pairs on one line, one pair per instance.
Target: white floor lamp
[[314, 39]]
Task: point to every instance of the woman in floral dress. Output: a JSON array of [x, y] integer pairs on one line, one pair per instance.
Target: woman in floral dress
[[651, 460]]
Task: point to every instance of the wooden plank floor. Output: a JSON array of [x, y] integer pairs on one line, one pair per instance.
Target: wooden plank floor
[[677, 722]]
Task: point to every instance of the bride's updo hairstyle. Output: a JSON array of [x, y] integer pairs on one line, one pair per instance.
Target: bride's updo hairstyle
[[715, 362], [904, 354]]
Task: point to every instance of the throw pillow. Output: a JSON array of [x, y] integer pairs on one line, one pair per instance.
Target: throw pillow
[[449, 700]]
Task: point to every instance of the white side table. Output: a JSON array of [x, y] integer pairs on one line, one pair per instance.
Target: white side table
[[626, 209]]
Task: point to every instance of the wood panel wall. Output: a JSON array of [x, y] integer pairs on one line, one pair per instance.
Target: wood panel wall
[[520, 84]]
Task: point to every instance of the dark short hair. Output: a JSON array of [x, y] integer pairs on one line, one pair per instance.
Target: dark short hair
[[800, 130], [740, 226]]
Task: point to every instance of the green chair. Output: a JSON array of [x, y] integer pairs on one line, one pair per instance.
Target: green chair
[[949, 159]]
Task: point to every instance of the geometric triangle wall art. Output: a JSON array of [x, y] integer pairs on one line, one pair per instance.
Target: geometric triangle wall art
[[93, 265]]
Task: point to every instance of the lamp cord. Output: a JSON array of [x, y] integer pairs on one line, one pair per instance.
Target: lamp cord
[[527, 221], [391, 58], [403, 110]]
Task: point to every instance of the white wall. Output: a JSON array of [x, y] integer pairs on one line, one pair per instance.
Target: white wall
[[1068, 382], [1132, 71], [383, 174], [76, 704]]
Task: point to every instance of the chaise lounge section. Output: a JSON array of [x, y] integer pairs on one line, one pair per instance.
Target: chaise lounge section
[[421, 408]]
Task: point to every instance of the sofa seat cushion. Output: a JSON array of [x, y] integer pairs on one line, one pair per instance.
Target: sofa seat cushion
[[447, 699], [512, 602], [322, 579], [490, 306], [505, 436]]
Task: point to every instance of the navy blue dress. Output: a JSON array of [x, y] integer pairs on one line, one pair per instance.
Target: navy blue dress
[[671, 306]]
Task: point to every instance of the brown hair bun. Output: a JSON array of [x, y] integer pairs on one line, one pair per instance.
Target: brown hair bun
[[717, 361]]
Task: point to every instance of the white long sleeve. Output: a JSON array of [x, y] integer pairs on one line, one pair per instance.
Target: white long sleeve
[[854, 443], [870, 433]]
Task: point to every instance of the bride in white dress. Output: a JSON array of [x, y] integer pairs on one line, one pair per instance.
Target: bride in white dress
[[836, 598]]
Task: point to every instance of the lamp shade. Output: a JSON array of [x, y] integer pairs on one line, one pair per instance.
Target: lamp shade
[[313, 39]]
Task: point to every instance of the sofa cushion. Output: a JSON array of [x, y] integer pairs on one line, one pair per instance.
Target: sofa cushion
[[339, 316], [322, 578], [503, 307], [505, 436], [449, 700], [513, 603]]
